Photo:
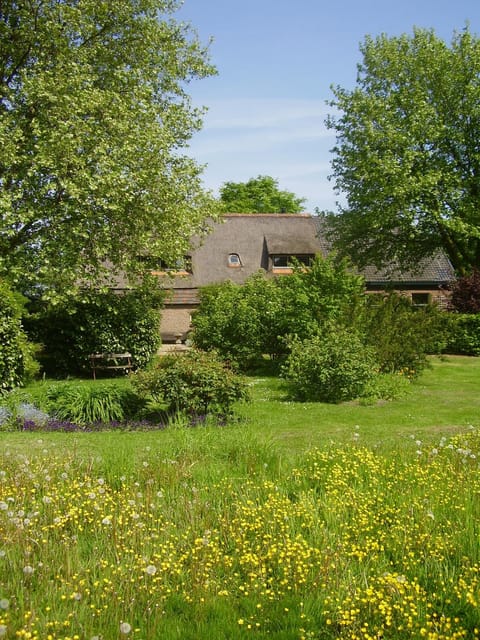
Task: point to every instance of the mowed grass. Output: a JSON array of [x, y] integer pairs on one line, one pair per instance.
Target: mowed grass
[[444, 399], [299, 521]]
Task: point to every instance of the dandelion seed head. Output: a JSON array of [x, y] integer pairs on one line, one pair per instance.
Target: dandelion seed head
[[151, 570], [4, 604], [125, 628]]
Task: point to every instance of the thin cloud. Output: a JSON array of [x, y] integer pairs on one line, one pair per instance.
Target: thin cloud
[[259, 113], [286, 139], [256, 125]]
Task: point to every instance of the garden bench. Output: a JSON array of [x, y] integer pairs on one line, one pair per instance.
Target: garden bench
[[110, 361]]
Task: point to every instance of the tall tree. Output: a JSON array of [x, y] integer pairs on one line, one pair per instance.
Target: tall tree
[[258, 195], [94, 114], [407, 155]]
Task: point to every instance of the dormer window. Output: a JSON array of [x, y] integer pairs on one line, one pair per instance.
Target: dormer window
[[158, 266], [286, 261], [234, 260]]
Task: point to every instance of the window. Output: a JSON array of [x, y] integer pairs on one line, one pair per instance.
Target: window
[[234, 260], [420, 299], [285, 261], [158, 265]]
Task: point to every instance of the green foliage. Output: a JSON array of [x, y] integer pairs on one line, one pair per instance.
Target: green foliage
[[196, 382], [245, 322], [89, 404], [240, 322], [325, 293], [330, 367], [464, 334], [407, 155], [465, 296], [258, 195], [99, 322], [94, 115], [17, 363], [386, 386], [400, 335]]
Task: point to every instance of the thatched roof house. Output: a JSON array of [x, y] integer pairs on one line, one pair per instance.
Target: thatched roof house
[[243, 244]]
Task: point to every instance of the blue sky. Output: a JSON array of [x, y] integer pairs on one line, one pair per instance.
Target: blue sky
[[276, 62]]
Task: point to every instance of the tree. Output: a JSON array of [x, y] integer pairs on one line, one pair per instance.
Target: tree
[[17, 362], [258, 195], [93, 118], [465, 296], [407, 154]]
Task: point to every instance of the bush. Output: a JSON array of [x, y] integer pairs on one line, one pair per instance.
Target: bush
[[386, 386], [332, 367], [400, 335], [464, 334], [465, 296], [326, 293], [86, 405], [240, 322], [196, 382], [17, 364], [98, 322], [244, 323]]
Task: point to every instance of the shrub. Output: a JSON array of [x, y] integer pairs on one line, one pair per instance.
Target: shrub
[[465, 296], [331, 367], [401, 335], [17, 364], [196, 382], [326, 293], [98, 322], [386, 386], [464, 334], [241, 323], [244, 323], [89, 404]]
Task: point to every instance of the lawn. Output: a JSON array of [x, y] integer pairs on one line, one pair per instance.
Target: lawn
[[298, 521], [444, 400]]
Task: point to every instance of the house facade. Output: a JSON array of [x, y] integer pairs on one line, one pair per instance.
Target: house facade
[[243, 244]]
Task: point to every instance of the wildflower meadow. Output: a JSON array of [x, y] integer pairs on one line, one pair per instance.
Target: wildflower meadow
[[227, 532], [348, 542]]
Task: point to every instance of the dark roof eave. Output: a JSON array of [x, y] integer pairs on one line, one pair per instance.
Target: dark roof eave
[[426, 284]]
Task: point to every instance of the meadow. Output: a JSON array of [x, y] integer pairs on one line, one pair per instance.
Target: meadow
[[354, 521]]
